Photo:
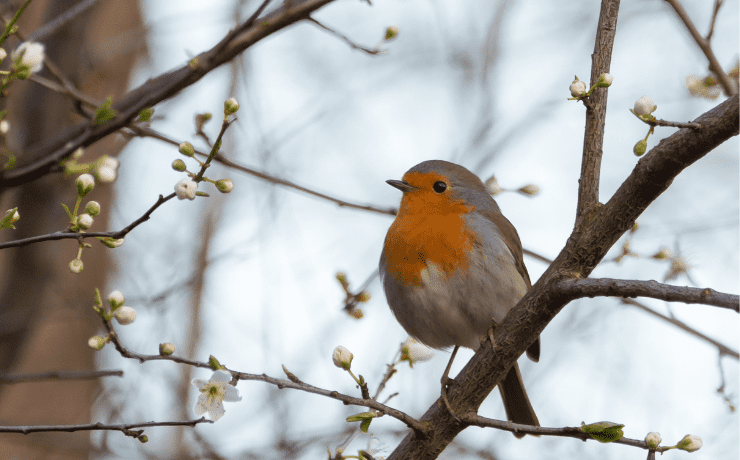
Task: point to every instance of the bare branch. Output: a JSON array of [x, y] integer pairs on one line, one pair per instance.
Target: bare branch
[[58, 375], [717, 6], [352, 44], [723, 349], [70, 235], [280, 383], [149, 132], [727, 84], [48, 155], [127, 429], [59, 21], [591, 287]]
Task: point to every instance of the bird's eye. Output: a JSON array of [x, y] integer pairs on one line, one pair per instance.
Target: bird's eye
[[439, 186]]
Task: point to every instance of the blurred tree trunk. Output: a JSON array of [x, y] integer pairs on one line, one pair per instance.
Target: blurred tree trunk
[[45, 312]]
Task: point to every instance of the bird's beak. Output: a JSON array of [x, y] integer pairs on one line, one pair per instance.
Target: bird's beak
[[401, 185]]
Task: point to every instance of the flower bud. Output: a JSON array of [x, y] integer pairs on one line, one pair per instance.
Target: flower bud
[[85, 184], [4, 125], [3, 54], [125, 315], [640, 148], [107, 168], [530, 190], [645, 106], [76, 266], [391, 33], [653, 440], [605, 80], [342, 358], [577, 88], [224, 185], [97, 342], [415, 352], [185, 189], [231, 106], [186, 148], [92, 208], [110, 242], [84, 221], [116, 299], [166, 349], [28, 58], [690, 443], [179, 165]]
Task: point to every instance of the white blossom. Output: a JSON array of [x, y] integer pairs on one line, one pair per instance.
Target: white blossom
[[213, 393]]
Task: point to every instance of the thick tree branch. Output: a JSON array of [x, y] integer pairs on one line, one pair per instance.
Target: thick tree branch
[[48, 155], [590, 287], [593, 139], [585, 248]]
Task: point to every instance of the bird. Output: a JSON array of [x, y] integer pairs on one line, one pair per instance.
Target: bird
[[452, 267]]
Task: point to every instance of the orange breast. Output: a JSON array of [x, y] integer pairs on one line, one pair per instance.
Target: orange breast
[[426, 233]]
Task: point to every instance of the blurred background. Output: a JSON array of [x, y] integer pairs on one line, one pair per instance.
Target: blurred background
[[249, 277]]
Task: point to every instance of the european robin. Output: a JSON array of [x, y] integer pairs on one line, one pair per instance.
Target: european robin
[[452, 268]]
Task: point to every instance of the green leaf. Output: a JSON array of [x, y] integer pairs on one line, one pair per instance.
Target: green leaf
[[146, 114], [365, 425], [604, 431], [104, 113], [69, 213]]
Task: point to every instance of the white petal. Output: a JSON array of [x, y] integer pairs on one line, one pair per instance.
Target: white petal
[[199, 384], [221, 376], [231, 394], [201, 406], [216, 411]]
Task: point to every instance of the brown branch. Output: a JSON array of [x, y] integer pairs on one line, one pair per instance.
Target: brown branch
[[593, 138], [714, 65], [590, 287], [584, 249], [70, 235], [382, 409], [57, 375], [352, 44], [717, 6], [723, 349], [48, 155], [127, 429], [145, 131]]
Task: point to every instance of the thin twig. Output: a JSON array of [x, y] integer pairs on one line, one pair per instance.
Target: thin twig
[[723, 349], [714, 65], [58, 375], [280, 383], [69, 235], [346, 39], [145, 131], [127, 429], [60, 21], [717, 6]]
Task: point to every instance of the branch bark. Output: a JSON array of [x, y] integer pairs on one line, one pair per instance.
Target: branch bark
[[635, 288]]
